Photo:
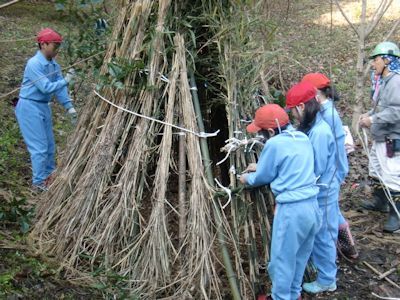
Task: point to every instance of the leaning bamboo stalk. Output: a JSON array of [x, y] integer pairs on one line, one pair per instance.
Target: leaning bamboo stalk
[[206, 157], [203, 142]]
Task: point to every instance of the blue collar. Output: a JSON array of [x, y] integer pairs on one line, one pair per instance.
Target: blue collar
[[326, 105], [42, 59]]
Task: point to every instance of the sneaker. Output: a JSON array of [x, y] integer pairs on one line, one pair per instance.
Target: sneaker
[[40, 188], [315, 288]]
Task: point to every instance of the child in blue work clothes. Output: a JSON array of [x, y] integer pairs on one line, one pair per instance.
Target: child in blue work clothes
[[286, 163], [41, 82], [325, 96], [301, 100]]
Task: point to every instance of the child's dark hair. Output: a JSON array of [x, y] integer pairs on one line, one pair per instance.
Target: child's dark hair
[[330, 92], [40, 46], [311, 108], [266, 134]]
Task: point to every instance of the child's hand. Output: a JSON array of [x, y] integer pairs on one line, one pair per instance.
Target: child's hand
[[250, 168], [243, 179]]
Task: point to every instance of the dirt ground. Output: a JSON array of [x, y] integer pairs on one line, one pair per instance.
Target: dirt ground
[[23, 276]]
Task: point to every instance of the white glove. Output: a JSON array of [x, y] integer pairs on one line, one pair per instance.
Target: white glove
[[73, 115], [71, 74]]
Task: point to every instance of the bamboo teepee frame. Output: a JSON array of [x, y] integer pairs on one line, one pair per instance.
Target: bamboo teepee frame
[[112, 204]]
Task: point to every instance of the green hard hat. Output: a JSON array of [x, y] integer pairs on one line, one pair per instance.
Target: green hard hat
[[385, 48]]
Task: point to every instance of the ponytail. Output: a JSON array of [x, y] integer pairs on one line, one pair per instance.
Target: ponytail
[[330, 92], [311, 108]]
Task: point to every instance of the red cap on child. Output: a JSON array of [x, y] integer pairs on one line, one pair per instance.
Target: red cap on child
[[300, 93], [48, 35], [268, 116], [318, 80]]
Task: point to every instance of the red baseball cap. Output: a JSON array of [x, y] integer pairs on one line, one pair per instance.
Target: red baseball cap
[[268, 116], [48, 35], [300, 93], [318, 80]]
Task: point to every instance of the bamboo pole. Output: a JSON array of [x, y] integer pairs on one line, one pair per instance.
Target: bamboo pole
[[207, 164], [203, 142]]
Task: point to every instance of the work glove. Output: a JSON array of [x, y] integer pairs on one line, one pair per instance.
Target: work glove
[[73, 115], [71, 74]]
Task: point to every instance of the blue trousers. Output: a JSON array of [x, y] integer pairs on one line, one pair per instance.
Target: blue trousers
[[294, 228], [324, 251], [35, 122]]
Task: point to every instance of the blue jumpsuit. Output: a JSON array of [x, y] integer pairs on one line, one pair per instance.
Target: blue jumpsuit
[[324, 251], [331, 116], [286, 162], [42, 80]]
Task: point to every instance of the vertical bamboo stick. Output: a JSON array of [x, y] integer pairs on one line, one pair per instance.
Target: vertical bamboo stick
[[203, 142]]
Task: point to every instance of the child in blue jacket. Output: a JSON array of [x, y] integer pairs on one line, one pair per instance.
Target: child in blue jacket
[[301, 100], [41, 82], [325, 95], [286, 163]]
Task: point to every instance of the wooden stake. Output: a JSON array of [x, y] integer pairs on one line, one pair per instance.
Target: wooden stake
[[380, 274]]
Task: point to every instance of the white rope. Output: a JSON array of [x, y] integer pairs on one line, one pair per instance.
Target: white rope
[[233, 144], [162, 77], [364, 142], [227, 191], [201, 134], [232, 170]]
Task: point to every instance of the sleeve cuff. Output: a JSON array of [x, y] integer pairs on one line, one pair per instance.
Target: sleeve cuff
[[250, 178]]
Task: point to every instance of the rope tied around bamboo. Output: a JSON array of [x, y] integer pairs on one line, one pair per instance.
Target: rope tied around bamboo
[[198, 134]]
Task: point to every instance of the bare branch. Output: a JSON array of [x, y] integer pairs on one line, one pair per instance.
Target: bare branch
[[363, 24], [347, 18], [383, 8], [377, 11], [393, 30]]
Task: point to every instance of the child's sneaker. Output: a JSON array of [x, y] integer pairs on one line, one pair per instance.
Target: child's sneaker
[[346, 242], [315, 288], [40, 188]]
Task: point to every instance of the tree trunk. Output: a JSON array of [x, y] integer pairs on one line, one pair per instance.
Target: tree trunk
[[358, 105]]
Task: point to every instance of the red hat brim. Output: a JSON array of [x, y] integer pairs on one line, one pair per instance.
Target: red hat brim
[[252, 128]]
